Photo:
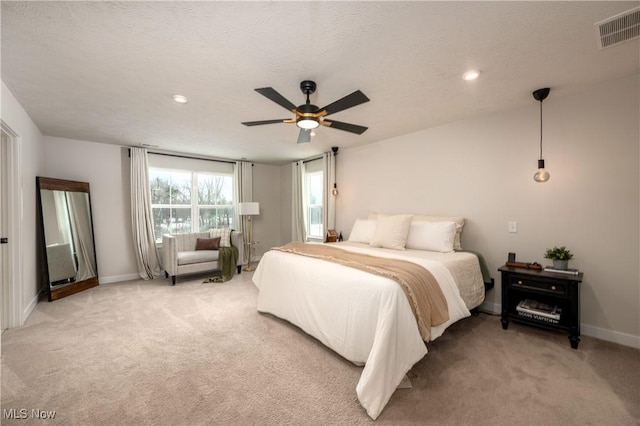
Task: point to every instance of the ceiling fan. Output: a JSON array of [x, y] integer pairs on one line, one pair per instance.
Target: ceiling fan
[[309, 116]]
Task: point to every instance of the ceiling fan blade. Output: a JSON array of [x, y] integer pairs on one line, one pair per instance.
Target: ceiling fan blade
[[304, 136], [348, 127], [349, 101], [270, 92], [259, 123]]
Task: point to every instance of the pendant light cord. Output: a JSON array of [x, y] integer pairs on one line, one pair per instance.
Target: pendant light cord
[[541, 130]]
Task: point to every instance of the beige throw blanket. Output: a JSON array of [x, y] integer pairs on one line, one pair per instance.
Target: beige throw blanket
[[422, 290]]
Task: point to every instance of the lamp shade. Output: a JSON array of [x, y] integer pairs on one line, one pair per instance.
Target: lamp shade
[[248, 209]]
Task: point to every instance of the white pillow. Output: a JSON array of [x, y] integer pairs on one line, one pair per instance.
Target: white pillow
[[432, 236], [362, 231], [459, 220], [391, 231], [224, 234]]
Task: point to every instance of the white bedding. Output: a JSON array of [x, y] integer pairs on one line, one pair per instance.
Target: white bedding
[[363, 317]]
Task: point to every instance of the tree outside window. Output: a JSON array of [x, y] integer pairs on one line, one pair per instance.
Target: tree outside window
[[170, 201], [184, 201], [215, 201]]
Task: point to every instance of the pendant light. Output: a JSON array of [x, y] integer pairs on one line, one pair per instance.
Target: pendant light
[[334, 191], [541, 175]]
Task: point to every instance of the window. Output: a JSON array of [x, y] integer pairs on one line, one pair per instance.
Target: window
[[186, 201], [313, 189], [215, 201], [170, 201]]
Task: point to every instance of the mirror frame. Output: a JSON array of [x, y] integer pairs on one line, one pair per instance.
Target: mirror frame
[[77, 286]]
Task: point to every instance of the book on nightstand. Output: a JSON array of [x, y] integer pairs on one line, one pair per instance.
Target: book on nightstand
[[537, 317], [541, 311]]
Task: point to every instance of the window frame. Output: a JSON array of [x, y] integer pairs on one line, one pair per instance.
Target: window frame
[[308, 175], [194, 206]]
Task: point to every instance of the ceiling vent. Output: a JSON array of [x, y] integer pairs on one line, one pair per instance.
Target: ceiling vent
[[619, 28]]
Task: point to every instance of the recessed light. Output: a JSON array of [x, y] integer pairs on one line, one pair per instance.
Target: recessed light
[[180, 99], [471, 75]]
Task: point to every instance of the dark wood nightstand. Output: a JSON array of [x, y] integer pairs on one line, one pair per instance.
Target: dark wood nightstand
[[556, 289]]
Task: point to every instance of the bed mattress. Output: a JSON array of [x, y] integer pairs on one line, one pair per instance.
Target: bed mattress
[[363, 317]]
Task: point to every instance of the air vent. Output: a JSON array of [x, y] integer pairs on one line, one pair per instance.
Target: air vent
[[619, 28]]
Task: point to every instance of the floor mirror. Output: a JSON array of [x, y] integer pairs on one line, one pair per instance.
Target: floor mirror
[[68, 263]]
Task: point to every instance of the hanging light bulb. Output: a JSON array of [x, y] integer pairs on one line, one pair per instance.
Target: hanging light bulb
[[334, 191], [541, 175]]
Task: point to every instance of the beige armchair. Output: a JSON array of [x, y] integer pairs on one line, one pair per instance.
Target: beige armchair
[[179, 255]]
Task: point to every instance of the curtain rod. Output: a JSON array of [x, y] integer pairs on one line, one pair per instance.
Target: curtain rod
[[334, 149], [192, 158], [312, 159], [188, 157]]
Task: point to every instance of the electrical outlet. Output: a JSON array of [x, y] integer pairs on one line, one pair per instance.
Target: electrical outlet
[[513, 226]]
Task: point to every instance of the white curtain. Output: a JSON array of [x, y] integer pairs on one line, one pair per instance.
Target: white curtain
[[144, 243], [62, 216], [298, 229], [328, 199], [80, 214], [243, 172]]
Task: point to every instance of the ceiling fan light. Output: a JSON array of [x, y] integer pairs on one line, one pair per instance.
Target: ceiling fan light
[[307, 123]]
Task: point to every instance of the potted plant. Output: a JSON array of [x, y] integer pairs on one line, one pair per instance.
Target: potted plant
[[560, 256]]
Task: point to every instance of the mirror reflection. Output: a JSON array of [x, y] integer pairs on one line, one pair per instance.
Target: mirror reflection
[[67, 237]]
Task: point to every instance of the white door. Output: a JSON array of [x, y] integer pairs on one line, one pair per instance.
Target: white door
[[4, 270], [10, 228]]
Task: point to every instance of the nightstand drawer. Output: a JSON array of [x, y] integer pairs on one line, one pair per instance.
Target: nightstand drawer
[[545, 286]]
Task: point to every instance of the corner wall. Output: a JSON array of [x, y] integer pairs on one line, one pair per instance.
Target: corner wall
[[482, 168], [267, 191], [106, 168]]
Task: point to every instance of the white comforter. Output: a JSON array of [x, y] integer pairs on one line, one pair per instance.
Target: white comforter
[[363, 317]]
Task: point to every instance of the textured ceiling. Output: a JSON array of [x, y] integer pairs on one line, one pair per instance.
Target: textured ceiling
[[106, 71]]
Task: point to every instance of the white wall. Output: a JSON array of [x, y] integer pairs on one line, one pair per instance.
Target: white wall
[[266, 190], [31, 165], [482, 168], [106, 168], [286, 194]]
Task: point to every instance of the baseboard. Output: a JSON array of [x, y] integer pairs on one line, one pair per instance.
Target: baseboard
[[610, 335], [118, 278], [490, 308], [30, 307], [585, 329]]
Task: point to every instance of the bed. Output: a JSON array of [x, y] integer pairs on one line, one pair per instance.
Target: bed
[[366, 318]]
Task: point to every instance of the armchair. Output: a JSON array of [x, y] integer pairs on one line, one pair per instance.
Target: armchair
[[179, 255]]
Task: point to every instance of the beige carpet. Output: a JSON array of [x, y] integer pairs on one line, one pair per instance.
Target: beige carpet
[[150, 353]]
